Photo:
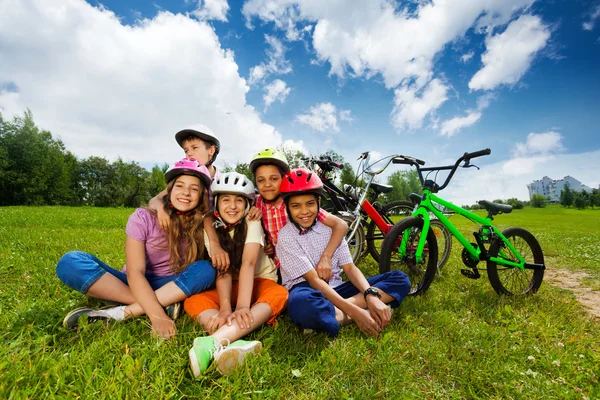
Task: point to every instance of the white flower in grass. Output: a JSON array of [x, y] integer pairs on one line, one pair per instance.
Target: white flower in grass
[[556, 363], [531, 358], [559, 344]]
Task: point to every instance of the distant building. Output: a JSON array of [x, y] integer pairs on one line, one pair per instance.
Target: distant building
[[552, 188]]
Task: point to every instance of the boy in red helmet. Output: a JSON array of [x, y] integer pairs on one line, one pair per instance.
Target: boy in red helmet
[[315, 304]]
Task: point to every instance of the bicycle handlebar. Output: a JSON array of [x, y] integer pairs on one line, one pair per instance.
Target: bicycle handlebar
[[407, 160], [475, 154]]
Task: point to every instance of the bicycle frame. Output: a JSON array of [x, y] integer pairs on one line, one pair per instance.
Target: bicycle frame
[[479, 253]]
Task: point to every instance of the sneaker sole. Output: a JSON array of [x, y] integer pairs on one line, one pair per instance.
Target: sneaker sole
[[194, 366], [234, 357], [65, 322]]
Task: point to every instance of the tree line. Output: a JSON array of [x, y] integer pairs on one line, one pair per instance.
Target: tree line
[[37, 169]]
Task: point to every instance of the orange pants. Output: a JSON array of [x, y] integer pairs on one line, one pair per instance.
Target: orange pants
[[263, 291]]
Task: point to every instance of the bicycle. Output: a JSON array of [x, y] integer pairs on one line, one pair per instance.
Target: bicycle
[[514, 258], [354, 207]]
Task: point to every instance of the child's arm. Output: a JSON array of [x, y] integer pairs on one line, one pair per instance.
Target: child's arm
[[156, 203], [224, 291], [254, 214], [378, 309], [361, 317], [218, 256], [339, 229], [135, 255], [242, 313]]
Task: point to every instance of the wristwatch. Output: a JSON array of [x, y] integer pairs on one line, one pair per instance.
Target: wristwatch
[[372, 291]]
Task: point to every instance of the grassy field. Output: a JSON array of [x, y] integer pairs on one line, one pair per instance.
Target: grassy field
[[460, 340]]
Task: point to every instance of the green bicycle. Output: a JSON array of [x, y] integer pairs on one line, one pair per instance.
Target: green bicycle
[[514, 258]]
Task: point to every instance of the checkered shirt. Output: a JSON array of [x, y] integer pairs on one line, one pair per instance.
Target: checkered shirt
[[274, 217], [299, 254]]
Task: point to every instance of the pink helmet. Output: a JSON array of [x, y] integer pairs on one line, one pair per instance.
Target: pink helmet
[[189, 166]]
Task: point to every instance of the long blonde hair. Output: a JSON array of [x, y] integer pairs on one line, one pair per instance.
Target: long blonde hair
[[186, 228]]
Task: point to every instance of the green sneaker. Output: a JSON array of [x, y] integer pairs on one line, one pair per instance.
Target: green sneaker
[[233, 356], [72, 318], [201, 353]]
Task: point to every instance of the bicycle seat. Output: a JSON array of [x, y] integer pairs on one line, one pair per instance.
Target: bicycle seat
[[381, 188], [495, 208]]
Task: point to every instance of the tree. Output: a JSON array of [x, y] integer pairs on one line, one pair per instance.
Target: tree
[[244, 169], [538, 201], [566, 196], [515, 203], [595, 198], [293, 156], [581, 200], [35, 169]]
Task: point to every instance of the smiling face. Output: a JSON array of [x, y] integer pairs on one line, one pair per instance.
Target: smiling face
[[198, 149], [304, 209], [268, 180], [231, 207], [186, 192]]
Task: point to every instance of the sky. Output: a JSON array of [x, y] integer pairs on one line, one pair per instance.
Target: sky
[[430, 79]]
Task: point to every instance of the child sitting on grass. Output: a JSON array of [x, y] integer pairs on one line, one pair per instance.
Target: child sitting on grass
[[246, 295], [268, 167], [324, 305], [162, 268]]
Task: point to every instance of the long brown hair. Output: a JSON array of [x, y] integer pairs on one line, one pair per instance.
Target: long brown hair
[[186, 228]]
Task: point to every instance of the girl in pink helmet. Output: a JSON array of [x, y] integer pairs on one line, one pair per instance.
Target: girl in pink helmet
[[162, 267]]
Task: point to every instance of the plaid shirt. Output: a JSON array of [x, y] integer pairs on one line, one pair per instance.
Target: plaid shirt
[[274, 217], [301, 253]]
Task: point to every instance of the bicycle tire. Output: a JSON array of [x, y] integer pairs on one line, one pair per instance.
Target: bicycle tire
[[501, 277], [399, 208], [421, 275], [355, 243], [444, 241]]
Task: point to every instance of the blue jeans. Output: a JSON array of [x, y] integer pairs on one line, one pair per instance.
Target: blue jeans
[[79, 270], [310, 309]]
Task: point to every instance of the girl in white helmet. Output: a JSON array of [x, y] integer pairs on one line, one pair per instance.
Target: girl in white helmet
[[247, 294]]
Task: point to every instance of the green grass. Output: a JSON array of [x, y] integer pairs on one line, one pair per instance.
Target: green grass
[[460, 340]]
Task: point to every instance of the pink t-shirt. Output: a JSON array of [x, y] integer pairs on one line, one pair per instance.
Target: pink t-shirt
[[143, 227]]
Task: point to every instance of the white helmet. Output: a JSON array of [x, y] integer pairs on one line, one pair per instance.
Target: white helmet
[[203, 133]]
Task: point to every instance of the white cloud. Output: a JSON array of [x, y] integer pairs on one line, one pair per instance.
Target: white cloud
[[324, 117], [275, 91], [112, 90], [455, 124], [467, 56], [295, 145], [540, 144], [594, 15], [378, 37], [509, 54], [275, 64], [413, 105], [211, 9]]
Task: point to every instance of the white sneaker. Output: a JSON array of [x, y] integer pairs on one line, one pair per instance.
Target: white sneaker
[[232, 356]]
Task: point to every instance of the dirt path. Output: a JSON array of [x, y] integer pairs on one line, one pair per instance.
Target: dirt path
[[569, 280]]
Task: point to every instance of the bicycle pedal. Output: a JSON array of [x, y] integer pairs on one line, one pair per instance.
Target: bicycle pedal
[[471, 274]]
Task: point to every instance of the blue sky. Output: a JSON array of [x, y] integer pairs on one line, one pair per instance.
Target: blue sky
[[431, 79]]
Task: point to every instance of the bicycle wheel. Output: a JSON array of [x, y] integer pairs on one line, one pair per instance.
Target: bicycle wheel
[[444, 242], [420, 273], [510, 280], [392, 213], [355, 243]]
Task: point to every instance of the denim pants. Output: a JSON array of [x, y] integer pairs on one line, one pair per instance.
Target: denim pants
[[79, 270], [309, 308]]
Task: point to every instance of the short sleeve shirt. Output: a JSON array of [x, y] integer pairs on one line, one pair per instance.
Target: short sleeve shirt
[[274, 217], [299, 254], [143, 226], [265, 267]]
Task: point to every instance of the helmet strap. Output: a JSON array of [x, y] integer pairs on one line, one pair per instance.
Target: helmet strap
[[175, 211]]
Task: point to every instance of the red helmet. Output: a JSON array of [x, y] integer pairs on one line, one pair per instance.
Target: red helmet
[[300, 181]]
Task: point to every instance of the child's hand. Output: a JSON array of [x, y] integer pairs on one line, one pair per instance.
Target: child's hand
[[254, 214], [219, 257], [269, 249], [164, 327], [365, 322], [243, 316], [324, 268], [217, 321], [164, 219], [380, 312]]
